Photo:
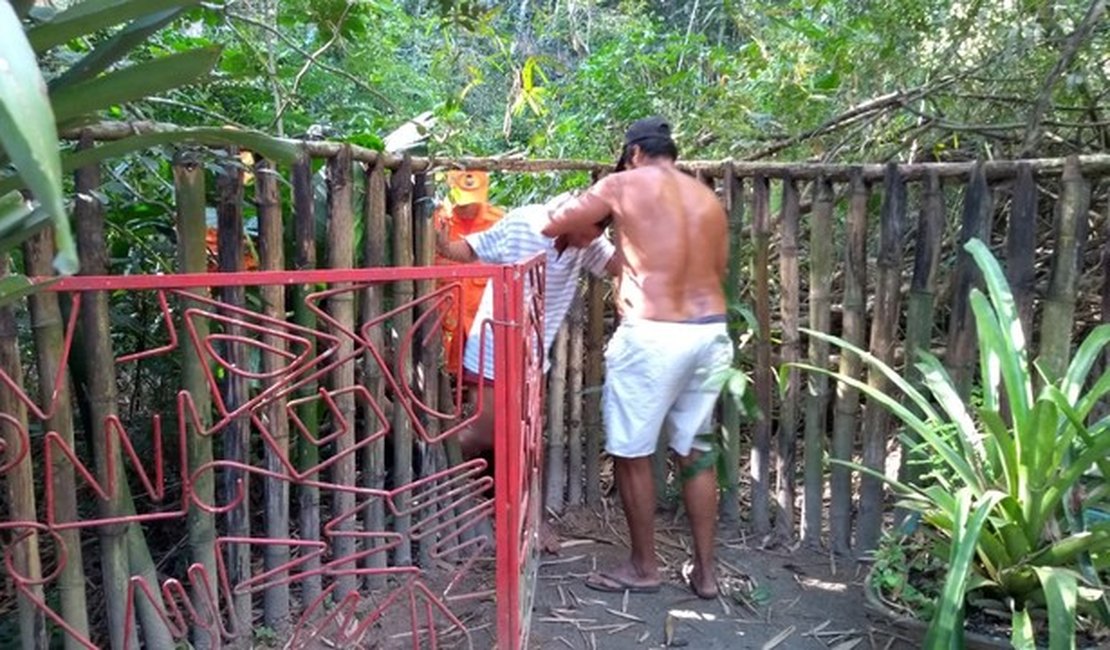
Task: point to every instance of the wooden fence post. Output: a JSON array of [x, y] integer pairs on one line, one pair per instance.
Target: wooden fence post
[[308, 455], [373, 460], [884, 334], [960, 352], [1058, 317], [790, 308], [271, 253], [340, 306], [556, 478], [192, 257], [575, 353], [592, 378], [846, 414], [920, 305], [821, 266], [733, 189], [402, 296], [1021, 244], [764, 377]]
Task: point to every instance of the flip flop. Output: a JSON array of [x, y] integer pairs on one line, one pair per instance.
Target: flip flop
[[613, 585]]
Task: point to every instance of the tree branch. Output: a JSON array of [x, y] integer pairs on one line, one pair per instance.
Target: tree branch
[[1035, 131]]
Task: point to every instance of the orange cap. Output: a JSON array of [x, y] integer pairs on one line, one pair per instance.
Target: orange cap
[[466, 187]]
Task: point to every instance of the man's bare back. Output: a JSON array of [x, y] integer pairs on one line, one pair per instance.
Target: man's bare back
[[672, 236]]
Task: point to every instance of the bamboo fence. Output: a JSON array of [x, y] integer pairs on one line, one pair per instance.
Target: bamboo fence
[[842, 256]]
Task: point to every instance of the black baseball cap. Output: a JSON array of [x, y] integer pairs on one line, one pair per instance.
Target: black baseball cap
[[648, 128]]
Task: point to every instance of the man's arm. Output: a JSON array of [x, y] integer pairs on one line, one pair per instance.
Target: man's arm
[[588, 209], [456, 251]]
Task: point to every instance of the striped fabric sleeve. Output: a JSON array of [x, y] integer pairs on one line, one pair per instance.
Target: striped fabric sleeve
[[597, 255]]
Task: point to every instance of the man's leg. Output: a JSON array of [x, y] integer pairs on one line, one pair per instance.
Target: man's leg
[[477, 438], [637, 489], [700, 494]]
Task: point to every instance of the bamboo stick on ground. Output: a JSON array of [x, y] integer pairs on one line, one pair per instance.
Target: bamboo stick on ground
[[790, 309], [236, 435], [402, 322], [49, 334], [575, 358], [192, 257], [761, 443], [308, 454], [960, 352], [373, 456], [920, 306], [271, 253], [23, 548], [884, 339], [822, 264], [1058, 317], [340, 306], [846, 414], [556, 475], [730, 410]]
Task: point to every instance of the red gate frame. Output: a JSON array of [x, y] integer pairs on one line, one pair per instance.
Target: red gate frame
[[518, 402]]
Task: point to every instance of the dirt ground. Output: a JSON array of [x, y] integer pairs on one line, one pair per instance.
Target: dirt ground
[[783, 598]]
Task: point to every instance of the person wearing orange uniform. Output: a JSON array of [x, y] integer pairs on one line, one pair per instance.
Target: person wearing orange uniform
[[465, 212]]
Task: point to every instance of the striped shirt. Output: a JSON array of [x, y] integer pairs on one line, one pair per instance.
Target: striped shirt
[[516, 238]]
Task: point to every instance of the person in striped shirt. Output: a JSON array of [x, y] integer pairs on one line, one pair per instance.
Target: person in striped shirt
[[517, 237]]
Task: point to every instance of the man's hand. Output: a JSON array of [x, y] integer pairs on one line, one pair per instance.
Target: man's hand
[[443, 237], [456, 251]]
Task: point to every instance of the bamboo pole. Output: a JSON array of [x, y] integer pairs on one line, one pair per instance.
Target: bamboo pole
[[1092, 164], [271, 252], [1106, 284], [730, 409], [124, 552], [308, 455], [192, 257], [49, 334], [960, 353], [846, 413], [402, 323], [1058, 317], [764, 376], [556, 479], [575, 354], [23, 547], [884, 339], [1021, 244], [236, 436], [592, 378], [340, 306], [790, 309], [920, 305], [428, 352], [373, 459], [821, 266]]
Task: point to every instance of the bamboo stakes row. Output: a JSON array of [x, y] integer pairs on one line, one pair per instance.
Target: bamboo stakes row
[[398, 204]]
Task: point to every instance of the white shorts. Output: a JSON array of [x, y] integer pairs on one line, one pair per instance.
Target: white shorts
[[662, 374]]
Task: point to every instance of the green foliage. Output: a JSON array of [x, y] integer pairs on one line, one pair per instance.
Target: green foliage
[[1011, 507]]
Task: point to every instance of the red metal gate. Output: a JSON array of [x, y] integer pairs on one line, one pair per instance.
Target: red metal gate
[[336, 580]]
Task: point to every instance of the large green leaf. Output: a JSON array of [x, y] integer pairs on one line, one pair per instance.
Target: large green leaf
[[1060, 591], [115, 48], [946, 629], [27, 131], [133, 82], [86, 17], [1021, 633]]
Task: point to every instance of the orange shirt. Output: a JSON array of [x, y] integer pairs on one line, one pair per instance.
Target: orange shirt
[[458, 318]]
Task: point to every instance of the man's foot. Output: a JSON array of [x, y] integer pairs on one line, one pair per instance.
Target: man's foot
[[702, 583], [625, 578]]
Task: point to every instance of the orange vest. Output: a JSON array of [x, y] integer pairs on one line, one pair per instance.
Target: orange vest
[[457, 319], [250, 262]]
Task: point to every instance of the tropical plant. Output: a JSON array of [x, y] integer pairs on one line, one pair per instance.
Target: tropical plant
[[1010, 508]]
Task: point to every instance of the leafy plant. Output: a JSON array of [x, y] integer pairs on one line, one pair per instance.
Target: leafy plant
[[1010, 510]]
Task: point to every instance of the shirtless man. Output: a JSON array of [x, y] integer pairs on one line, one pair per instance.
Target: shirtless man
[[672, 240]]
